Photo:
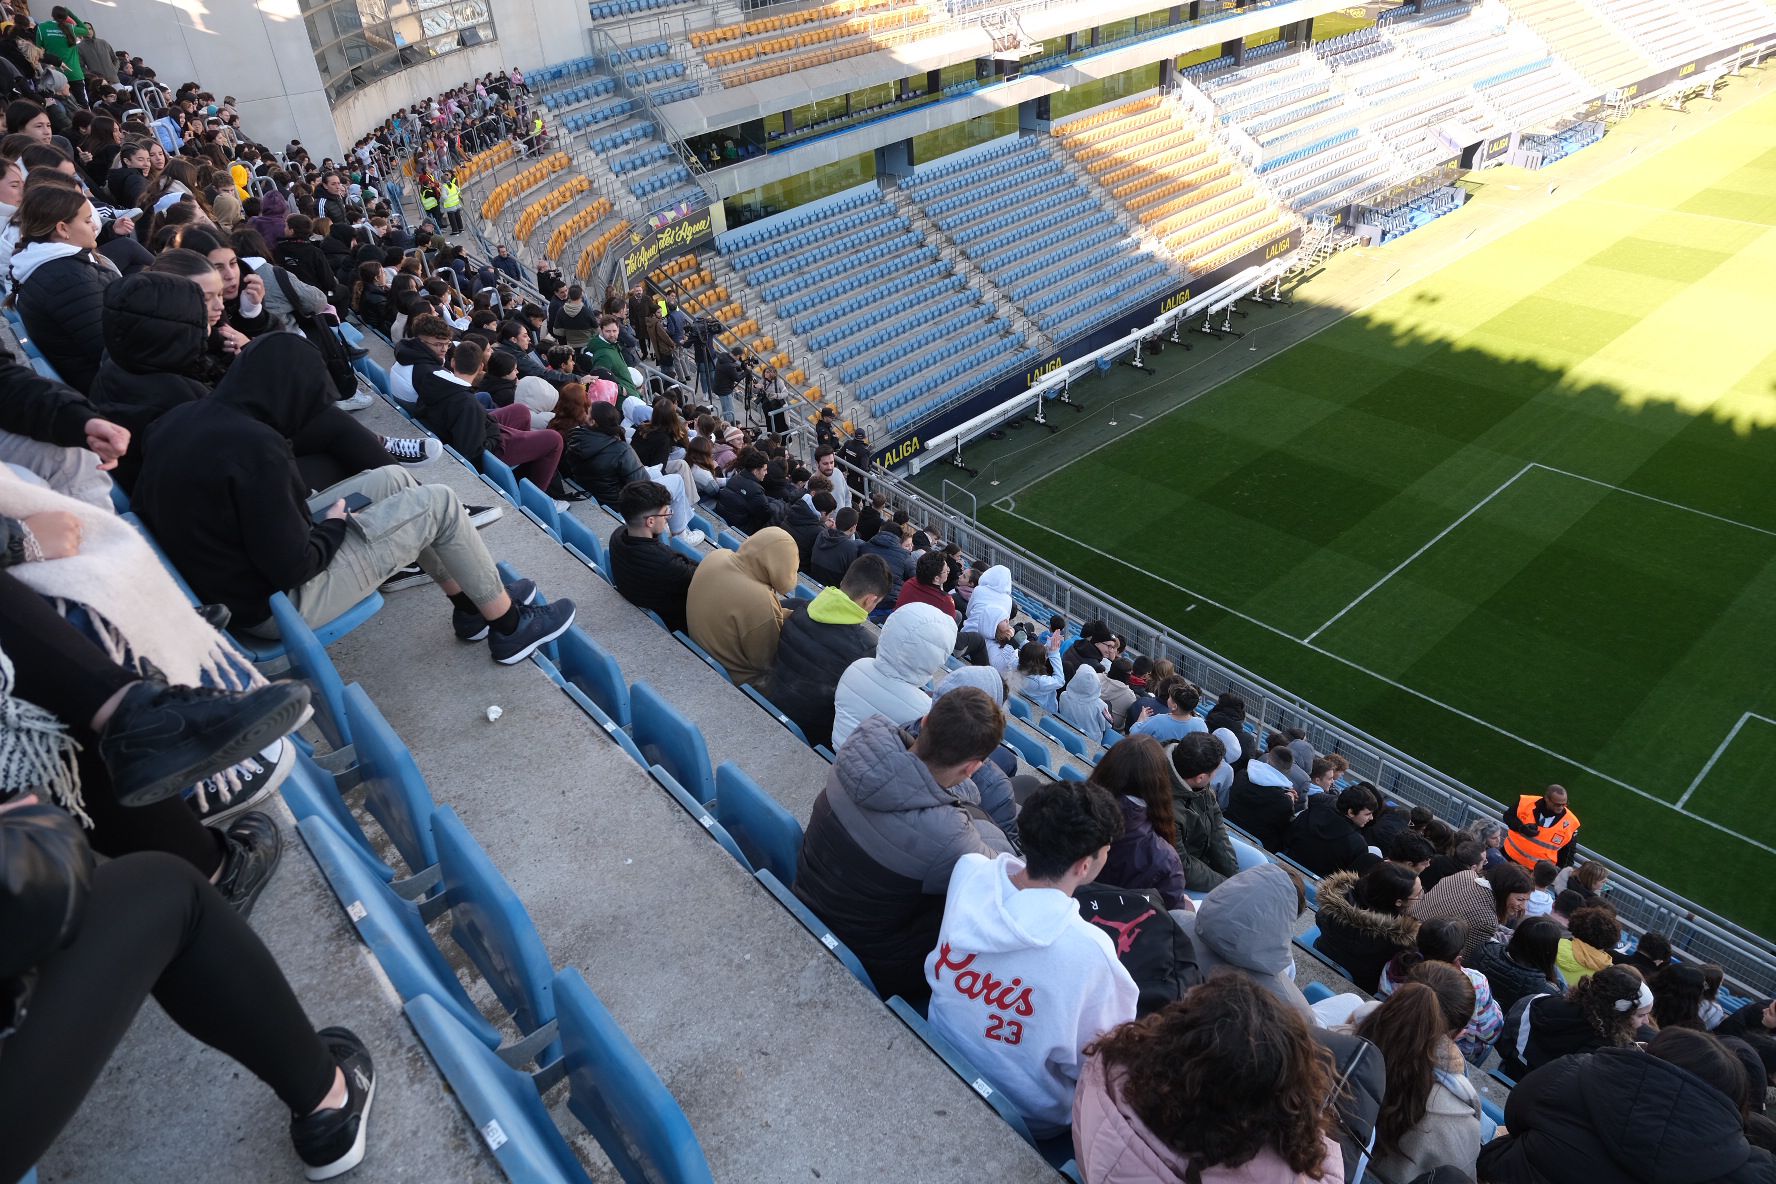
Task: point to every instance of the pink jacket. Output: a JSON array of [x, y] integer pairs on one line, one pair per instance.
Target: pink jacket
[[1113, 1146]]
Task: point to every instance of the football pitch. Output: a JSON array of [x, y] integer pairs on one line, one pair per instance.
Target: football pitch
[[1517, 519]]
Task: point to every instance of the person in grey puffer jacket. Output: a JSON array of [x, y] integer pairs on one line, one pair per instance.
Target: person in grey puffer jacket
[[1203, 845], [1246, 924], [883, 836]]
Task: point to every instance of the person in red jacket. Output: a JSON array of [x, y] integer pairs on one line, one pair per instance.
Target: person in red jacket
[[926, 586]]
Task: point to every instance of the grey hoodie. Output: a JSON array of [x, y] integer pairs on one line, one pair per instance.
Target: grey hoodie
[[1246, 924]]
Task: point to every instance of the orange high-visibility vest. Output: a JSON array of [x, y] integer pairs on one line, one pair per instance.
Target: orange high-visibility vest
[[1549, 840]]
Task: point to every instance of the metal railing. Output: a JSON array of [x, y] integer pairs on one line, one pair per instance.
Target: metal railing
[[1642, 905]]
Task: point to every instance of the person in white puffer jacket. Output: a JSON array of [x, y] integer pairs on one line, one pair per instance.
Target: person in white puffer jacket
[[915, 644], [990, 603]]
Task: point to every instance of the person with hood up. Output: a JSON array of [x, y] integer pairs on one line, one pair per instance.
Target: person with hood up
[[1260, 797], [1365, 922], [272, 220], [1081, 704], [820, 641], [1605, 1010], [1204, 849], [990, 604], [59, 279], [835, 547], [155, 332], [1328, 837], [1137, 776], [1246, 924], [887, 830], [1486, 905], [1015, 922], [1226, 1086], [539, 396], [735, 607], [913, 648], [1673, 1114], [221, 492]]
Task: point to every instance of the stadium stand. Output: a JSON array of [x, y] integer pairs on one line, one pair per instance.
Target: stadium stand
[[1591, 44], [775, 45]]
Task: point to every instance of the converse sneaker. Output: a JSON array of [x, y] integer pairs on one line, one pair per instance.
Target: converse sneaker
[[162, 739], [413, 450], [356, 401], [219, 798], [410, 576], [331, 1142], [480, 516], [251, 849], [538, 625], [474, 626]]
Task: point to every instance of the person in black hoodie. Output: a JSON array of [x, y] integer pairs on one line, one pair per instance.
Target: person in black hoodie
[[599, 458], [301, 257], [895, 549], [1673, 1114], [648, 573], [60, 279], [128, 176], [1602, 1010], [806, 518], [742, 500], [1328, 837], [834, 548], [155, 330]]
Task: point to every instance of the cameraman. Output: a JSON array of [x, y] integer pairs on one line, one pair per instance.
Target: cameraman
[[729, 369]]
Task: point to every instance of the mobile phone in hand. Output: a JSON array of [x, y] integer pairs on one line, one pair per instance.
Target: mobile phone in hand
[[354, 502]]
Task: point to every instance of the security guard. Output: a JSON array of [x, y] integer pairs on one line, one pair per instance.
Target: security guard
[[1541, 828], [451, 203]]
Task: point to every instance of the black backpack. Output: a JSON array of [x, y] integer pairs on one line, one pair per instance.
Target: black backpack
[[1153, 949], [323, 337]]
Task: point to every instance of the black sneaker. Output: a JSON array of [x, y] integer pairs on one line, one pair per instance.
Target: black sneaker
[[162, 739], [252, 847], [410, 576], [538, 624], [331, 1142], [413, 450], [216, 616], [216, 801], [474, 626], [480, 516]]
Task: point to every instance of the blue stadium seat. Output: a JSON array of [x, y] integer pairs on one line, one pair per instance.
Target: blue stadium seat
[[263, 652], [702, 813], [1248, 855], [1316, 992], [312, 792], [1072, 741], [1306, 942], [586, 546], [685, 549], [668, 739], [960, 1065], [709, 659], [120, 501], [500, 476], [539, 507], [310, 663], [768, 834], [586, 665], [754, 694], [395, 793], [1072, 773], [814, 925], [1020, 708], [1027, 746]]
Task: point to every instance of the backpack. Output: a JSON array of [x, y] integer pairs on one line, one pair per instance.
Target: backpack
[[1153, 949], [322, 337]]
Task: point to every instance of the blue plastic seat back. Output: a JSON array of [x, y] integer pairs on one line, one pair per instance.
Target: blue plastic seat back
[[396, 794], [702, 813], [579, 536], [500, 473], [311, 792], [490, 925], [1248, 856], [708, 659], [1072, 741], [1020, 708], [1072, 773], [959, 1064], [586, 664], [1028, 747], [309, 662], [1316, 992], [617, 1096], [768, 834], [815, 926], [393, 929], [753, 693], [541, 505], [666, 738], [501, 1102]]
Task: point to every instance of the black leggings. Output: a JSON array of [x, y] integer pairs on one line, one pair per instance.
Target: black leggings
[[58, 668], [152, 926], [333, 446]]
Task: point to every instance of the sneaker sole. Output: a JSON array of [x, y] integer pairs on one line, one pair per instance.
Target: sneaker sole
[[272, 726], [355, 1155], [487, 518], [274, 778], [481, 635], [401, 582], [533, 647]]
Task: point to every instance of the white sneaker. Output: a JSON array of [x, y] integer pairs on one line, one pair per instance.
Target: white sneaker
[[357, 402], [691, 537], [413, 450], [562, 507]]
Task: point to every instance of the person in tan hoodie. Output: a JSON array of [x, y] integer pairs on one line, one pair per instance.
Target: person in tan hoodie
[[735, 606]]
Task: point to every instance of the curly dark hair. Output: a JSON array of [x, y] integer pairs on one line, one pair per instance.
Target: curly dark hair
[[1598, 997], [1223, 1073], [1596, 927]]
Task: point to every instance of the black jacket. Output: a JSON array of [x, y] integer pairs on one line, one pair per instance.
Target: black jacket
[[125, 187], [651, 575], [1322, 839], [340, 260], [1552, 1029], [1621, 1116], [530, 367], [886, 543], [1263, 811], [502, 390], [831, 555], [219, 485], [451, 410], [155, 360], [1358, 1064], [42, 408], [603, 464], [1080, 653], [306, 261], [1360, 939], [1510, 981], [742, 502], [804, 526], [811, 656], [63, 307]]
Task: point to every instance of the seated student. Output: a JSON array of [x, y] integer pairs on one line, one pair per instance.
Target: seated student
[[807, 517], [1007, 920], [1260, 799], [1468, 857], [735, 606], [1526, 965], [820, 641], [835, 547], [445, 402], [1678, 991], [60, 279], [742, 501], [1180, 719], [1485, 906], [1430, 1114], [1541, 896], [1593, 934], [1204, 847], [1081, 704], [1328, 837], [886, 832], [221, 492], [1365, 922], [427, 342], [913, 648], [1442, 940], [648, 573], [1137, 776], [1603, 1011], [1226, 1086], [1674, 1112], [1245, 926], [597, 454], [926, 586]]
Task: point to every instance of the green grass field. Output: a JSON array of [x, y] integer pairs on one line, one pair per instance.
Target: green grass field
[[1518, 519]]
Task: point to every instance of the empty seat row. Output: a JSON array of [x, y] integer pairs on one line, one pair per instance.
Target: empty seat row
[[638, 78], [610, 9], [611, 141], [544, 77], [547, 204], [911, 342], [581, 120], [636, 161], [580, 94], [660, 182], [931, 277], [881, 305], [577, 225], [887, 249], [988, 332]]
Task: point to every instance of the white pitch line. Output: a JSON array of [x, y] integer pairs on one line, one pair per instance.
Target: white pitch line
[[1724, 745], [1661, 501], [1401, 566], [1417, 694]]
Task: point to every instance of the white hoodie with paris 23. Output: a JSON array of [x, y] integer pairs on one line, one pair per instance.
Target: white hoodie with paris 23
[[1021, 983]]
